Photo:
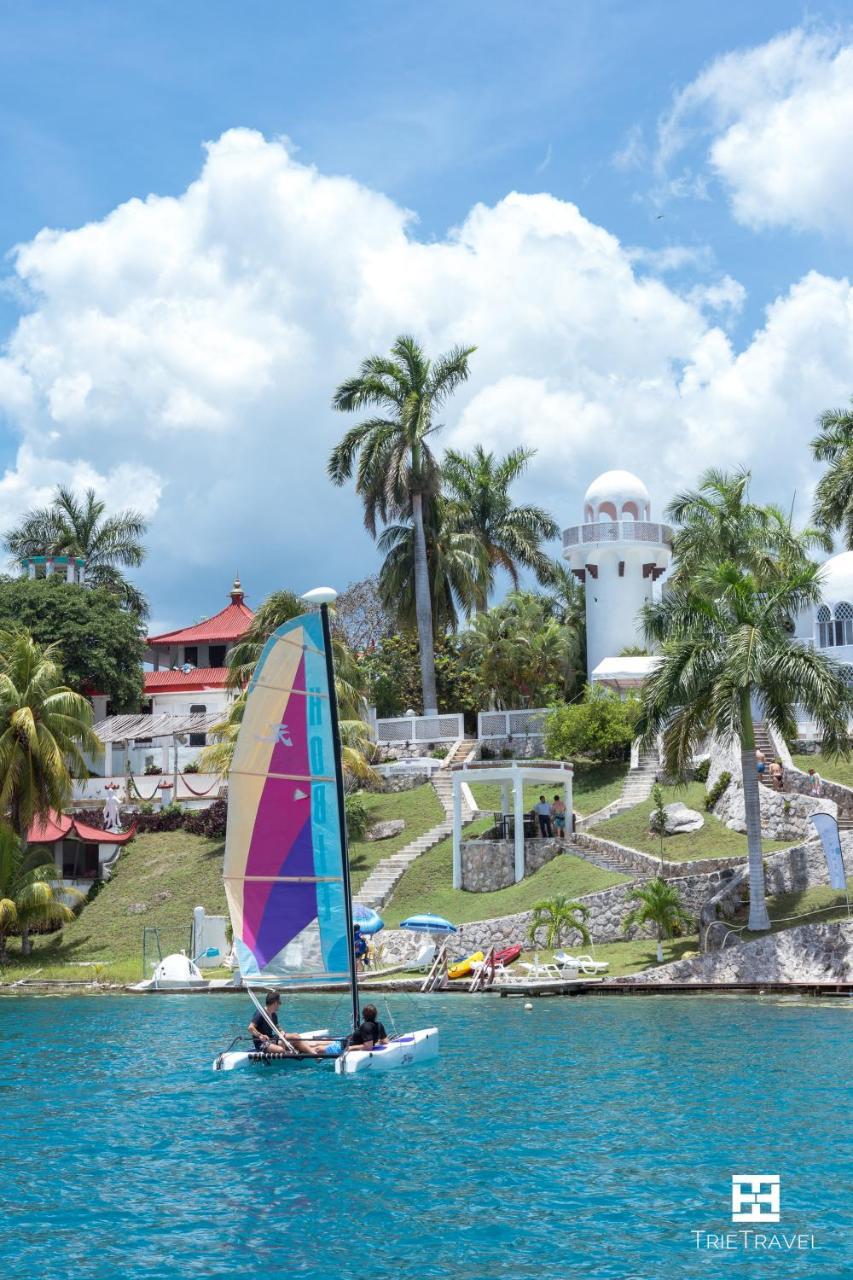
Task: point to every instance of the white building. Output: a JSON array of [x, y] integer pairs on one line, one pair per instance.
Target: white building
[[618, 553]]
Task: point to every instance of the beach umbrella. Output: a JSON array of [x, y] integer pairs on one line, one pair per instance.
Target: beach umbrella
[[366, 918], [428, 924]]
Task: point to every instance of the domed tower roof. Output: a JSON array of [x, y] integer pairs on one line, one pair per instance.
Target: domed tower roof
[[617, 494], [837, 575]]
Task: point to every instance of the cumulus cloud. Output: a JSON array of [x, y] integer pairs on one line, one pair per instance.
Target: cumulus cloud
[[776, 121], [182, 353]]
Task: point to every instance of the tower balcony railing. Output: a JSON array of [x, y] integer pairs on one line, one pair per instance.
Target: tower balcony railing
[[605, 531]]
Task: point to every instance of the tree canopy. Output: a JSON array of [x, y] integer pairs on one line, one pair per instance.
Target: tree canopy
[[76, 526], [100, 643]]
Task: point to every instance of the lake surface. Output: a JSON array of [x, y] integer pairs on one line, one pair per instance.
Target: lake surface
[[583, 1138]]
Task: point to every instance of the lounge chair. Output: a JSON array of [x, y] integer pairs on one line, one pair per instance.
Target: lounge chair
[[585, 964]]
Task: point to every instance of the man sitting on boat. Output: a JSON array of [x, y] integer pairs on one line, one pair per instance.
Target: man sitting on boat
[[370, 1032], [264, 1027], [267, 1041]]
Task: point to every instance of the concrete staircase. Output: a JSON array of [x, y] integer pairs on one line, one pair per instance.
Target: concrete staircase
[[636, 788], [386, 875], [763, 742]]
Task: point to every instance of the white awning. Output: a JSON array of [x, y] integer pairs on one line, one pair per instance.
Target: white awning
[[625, 673], [127, 728]]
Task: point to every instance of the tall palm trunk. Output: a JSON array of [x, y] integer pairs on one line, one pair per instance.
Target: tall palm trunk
[[423, 610], [759, 919]]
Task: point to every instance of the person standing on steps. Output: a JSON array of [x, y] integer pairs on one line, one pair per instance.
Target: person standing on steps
[[543, 813]]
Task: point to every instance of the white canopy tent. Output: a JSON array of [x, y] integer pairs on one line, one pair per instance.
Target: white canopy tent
[[512, 775]]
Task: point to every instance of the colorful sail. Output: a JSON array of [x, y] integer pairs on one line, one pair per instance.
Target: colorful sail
[[283, 855]]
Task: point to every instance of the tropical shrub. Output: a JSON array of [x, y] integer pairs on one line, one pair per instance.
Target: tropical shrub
[[559, 916], [31, 891], [521, 654], [703, 768], [660, 905], [358, 816], [600, 727], [714, 793]]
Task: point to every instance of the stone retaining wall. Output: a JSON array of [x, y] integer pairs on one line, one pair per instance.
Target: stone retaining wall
[[643, 865], [841, 796], [810, 953], [488, 865], [788, 870]]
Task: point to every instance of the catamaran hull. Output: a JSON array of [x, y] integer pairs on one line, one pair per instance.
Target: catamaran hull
[[403, 1051], [238, 1059]]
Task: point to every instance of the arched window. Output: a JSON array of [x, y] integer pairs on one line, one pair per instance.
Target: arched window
[[824, 627], [606, 511], [844, 623], [629, 511], [588, 514]]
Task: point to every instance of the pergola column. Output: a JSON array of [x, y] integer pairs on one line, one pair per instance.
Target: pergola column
[[518, 805], [505, 794], [457, 831]]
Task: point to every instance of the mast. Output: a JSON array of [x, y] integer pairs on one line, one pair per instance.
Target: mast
[[342, 815]]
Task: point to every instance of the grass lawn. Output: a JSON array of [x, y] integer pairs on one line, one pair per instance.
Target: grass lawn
[[593, 786], [421, 810], [171, 872], [427, 886], [713, 840], [834, 769]]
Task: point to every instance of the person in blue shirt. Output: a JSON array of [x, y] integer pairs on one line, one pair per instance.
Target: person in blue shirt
[[359, 946]]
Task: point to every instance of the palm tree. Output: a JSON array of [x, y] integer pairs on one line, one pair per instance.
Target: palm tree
[[455, 564], [45, 728], [31, 890], [75, 526], [833, 500], [478, 486], [659, 904], [725, 647], [522, 655], [398, 473], [557, 916], [717, 523]]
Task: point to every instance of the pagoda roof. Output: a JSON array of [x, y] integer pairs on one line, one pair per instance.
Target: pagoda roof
[[229, 624], [193, 681], [62, 826]]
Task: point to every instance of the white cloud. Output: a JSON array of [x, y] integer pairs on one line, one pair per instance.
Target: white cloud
[[180, 355], [777, 121]]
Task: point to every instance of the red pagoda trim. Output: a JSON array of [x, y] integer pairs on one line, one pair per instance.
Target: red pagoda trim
[[62, 826]]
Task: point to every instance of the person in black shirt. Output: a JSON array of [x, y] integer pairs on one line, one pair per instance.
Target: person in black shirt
[[266, 1041], [369, 1032]]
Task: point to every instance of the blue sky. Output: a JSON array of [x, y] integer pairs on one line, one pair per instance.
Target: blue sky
[[440, 109]]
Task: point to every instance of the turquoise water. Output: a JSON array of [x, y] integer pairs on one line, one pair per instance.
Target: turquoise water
[[582, 1138]]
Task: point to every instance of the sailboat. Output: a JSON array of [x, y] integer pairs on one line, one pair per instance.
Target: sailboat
[[286, 873]]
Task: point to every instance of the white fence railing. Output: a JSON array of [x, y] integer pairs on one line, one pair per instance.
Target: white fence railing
[[444, 728], [511, 724], [617, 531]]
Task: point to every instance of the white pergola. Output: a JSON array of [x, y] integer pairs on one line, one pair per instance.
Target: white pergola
[[512, 775]]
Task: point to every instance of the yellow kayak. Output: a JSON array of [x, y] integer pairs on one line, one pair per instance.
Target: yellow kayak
[[463, 967]]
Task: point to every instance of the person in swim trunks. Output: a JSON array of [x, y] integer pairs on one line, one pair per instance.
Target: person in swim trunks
[[268, 1039]]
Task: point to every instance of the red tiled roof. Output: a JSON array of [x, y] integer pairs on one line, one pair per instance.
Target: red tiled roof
[[59, 825], [185, 681], [229, 624]]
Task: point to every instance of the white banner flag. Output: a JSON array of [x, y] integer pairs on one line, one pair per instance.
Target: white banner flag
[[827, 829]]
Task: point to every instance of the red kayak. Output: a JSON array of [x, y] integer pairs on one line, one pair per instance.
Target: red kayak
[[507, 956]]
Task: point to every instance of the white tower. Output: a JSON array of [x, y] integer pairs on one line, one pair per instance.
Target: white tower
[[618, 553]]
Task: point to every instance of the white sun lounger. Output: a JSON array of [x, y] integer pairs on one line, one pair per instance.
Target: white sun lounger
[[585, 964]]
